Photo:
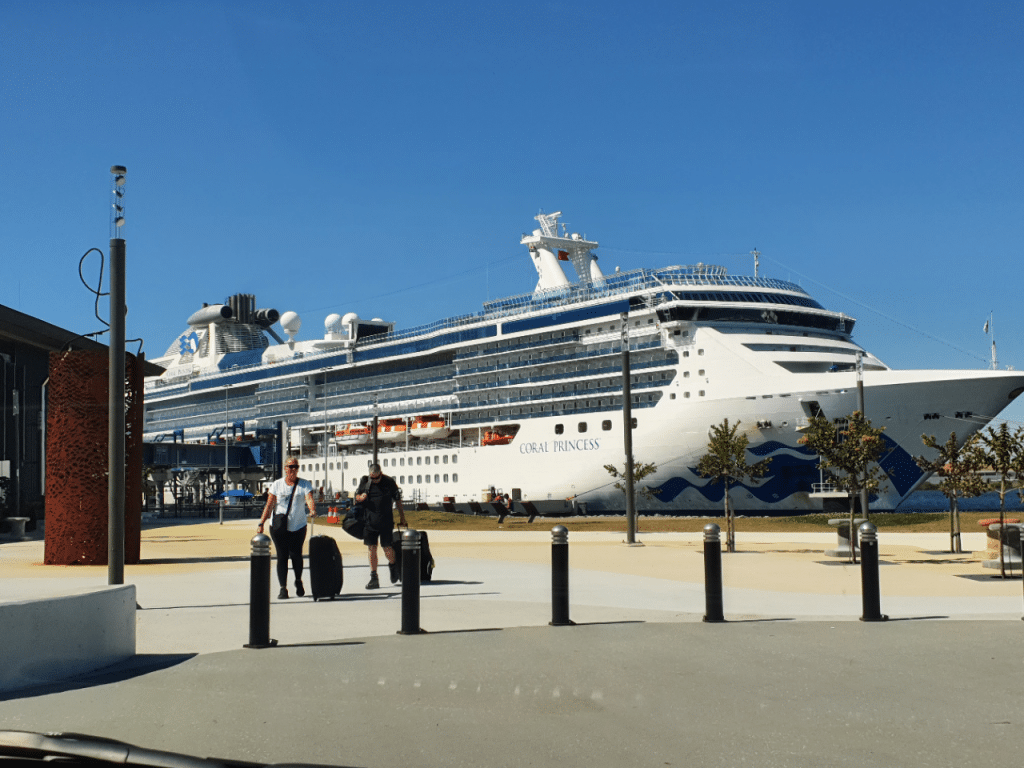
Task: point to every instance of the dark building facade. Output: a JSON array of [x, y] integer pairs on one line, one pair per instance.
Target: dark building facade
[[25, 346]]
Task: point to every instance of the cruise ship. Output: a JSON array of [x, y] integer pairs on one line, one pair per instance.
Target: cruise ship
[[525, 397]]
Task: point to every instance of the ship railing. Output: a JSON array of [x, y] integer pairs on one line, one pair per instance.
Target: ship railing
[[612, 285]]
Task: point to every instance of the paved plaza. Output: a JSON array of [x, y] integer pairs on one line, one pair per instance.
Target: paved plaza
[[792, 678]]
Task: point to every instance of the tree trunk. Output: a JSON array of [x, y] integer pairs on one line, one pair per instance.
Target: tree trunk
[[730, 539], [853, 531], [1002, 526], [960, 547], [954, 525]]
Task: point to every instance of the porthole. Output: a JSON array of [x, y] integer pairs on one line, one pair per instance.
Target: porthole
[[606, 425], [455, 478], [581, 427], [559, 429]]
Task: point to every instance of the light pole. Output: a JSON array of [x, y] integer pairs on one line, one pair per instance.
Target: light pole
[[327, 444], [115, 387], [224, 485], [627, 432], [860, 407]]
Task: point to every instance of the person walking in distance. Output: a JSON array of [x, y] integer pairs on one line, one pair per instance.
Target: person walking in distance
[[377, 493], [288, 527]]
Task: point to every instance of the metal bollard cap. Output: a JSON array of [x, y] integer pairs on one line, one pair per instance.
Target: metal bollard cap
[[559, 535], [260, 544], [410, 539], [711, 532], [868, 532]]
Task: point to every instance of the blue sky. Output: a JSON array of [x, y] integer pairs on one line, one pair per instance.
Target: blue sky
[[386, 159]]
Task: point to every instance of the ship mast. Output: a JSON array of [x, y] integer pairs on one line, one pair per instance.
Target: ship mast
[[990, 327], [545, 242]]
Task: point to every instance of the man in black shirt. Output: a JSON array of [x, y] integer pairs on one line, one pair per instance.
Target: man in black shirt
[[376, 494]]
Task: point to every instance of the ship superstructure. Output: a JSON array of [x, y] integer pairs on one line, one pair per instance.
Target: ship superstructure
[[525, 396]]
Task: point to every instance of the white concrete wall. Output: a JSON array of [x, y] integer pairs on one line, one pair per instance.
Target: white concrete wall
[[48, 640]]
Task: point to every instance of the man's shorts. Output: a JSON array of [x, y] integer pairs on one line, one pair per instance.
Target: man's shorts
[[371, 535]]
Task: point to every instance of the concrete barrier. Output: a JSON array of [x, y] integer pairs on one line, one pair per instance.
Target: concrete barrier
[[48, 640]]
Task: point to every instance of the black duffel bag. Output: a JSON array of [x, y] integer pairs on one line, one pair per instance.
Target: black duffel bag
[[355, 522]]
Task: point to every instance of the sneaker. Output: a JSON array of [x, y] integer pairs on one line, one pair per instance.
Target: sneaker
[[299, 589], [395, 573], [374, 583], [283, 594]]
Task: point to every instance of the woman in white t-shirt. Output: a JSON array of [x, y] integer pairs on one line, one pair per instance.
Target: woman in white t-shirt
[[291, 534]]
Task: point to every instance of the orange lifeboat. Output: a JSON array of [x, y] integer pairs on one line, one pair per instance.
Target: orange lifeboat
[[432, 427], [496, 438], [353, 434], [391, 430]]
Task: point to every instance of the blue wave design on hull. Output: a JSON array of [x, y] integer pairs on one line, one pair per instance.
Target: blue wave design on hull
[[791, 474]]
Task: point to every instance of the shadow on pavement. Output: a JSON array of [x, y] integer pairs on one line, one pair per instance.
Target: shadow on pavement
[[190, 560], [138, 665], [320, 644]]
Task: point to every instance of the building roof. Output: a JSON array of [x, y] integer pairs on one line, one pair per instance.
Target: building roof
[[19, 328]]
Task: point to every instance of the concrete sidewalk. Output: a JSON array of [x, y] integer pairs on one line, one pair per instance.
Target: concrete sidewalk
[[193, 584]]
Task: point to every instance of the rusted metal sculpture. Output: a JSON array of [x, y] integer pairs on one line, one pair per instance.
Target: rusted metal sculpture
[[76, 459]]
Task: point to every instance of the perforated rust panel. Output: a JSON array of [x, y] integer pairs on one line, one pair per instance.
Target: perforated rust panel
[[76, 459]]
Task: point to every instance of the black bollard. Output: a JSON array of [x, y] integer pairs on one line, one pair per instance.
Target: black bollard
[[410, 555], [713, 574], [259, 594], [560, 577], [869, 574]]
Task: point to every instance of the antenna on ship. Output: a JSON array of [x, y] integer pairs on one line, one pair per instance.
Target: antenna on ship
[[757, 260], [990, 327]]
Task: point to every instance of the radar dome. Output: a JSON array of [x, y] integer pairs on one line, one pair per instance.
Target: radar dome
[[333, 322], [291, 322], [350, 317]]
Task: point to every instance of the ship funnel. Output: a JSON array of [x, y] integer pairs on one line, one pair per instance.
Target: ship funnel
[[265, 318], [243, 305], [215, 313]]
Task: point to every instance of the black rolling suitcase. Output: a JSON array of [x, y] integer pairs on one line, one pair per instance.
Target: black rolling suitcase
[[426, 558], [325, 574]]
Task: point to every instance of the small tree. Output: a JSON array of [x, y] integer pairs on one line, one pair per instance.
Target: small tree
[[640, 471], [1003, 451], [726, 463], [958, 467], [850, 447]]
